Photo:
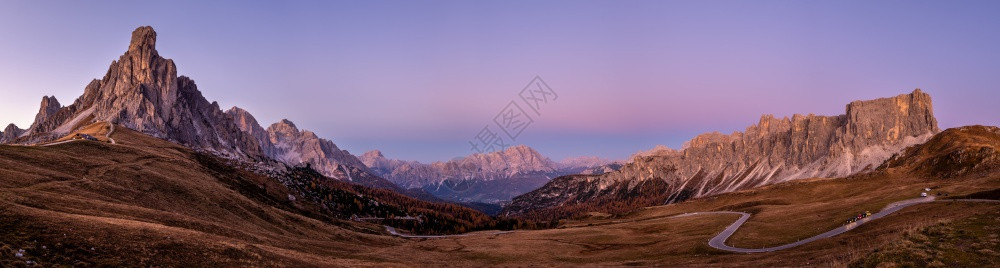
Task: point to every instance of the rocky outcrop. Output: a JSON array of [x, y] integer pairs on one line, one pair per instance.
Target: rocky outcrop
[[774, 150], [10, 133], [295, 146], [247, 123], [48, 108]]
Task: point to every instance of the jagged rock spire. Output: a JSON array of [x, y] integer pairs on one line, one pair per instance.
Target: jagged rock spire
[[49, 107], [143, 40]]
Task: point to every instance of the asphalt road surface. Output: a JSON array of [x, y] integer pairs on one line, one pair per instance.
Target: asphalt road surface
[[719, 241]]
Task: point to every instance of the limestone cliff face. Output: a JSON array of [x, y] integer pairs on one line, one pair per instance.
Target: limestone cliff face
[[774, 150]]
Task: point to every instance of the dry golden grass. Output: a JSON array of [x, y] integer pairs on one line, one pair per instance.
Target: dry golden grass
[[666, 241], [98, 130], [154, 204], [150, 202]]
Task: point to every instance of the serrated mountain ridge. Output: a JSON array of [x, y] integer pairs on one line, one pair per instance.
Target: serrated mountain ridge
[[772, 151]]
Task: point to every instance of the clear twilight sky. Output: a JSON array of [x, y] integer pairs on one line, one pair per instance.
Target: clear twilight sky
[[419, 79]]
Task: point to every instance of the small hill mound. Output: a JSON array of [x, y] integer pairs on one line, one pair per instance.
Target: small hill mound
[[955, 152], [97, 131]]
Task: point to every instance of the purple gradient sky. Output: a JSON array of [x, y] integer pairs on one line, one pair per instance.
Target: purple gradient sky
[[418, 79]]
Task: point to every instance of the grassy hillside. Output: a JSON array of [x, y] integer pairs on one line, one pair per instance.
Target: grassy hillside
[[149, 202], [139, 200]]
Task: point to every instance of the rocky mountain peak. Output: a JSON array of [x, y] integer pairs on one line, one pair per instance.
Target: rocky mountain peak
[[50, 103], [143, 40], [657, 150], [142, 91], [49, 107], [10, 133], [285, 124], [590, 165], [283, 129], [518, 151], [377, 163], [519, 147], [248, 124], [514, 159], [244, 119], [373, 154]]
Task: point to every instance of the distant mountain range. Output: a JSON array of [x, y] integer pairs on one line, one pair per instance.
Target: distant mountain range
[[772, 151], [494, 177]]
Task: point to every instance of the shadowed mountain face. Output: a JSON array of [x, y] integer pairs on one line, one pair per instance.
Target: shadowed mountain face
[[142, 91], [772, 151], [488, 178]]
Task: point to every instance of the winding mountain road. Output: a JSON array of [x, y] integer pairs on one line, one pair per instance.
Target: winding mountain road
[[719, 241], [112, 131]]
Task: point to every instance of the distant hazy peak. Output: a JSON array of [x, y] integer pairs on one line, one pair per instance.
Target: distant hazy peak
[[373, 154], [584, 162], [284, 124], [657, 150]]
